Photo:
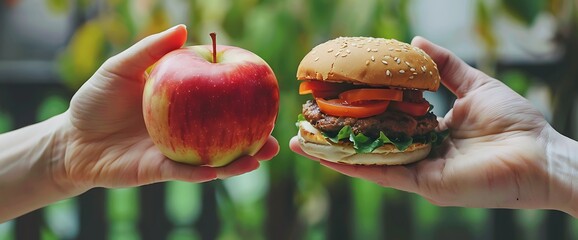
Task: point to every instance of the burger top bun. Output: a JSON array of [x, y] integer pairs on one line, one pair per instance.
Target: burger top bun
[[371, 61]]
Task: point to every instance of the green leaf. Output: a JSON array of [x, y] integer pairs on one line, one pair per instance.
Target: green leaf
[[484, 25], [344, 133], [5, 122], [525, 11], [51, 106], [439, 137], [83, 56], [365, 144], [300, 118], [362, 143], [58, 6], [517, 81], [400, 143]]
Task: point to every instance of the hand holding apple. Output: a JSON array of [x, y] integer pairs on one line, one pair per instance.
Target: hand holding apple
[[209, 105]]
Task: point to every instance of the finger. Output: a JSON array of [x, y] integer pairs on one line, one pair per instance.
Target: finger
[[296, 147], [134, 61], [398, 177], [171, 170], [269, 150], [242, 165], [456, 75]]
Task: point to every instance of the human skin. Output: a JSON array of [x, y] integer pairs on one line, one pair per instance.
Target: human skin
[[101, 140], [501, 152]]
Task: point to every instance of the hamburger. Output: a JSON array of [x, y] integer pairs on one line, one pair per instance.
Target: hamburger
[[367, 105]]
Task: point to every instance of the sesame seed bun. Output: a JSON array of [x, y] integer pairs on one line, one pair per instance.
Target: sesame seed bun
[[315, 144], [371, 61]]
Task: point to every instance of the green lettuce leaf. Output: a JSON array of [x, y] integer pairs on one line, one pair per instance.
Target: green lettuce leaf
[[344, 133], [300, 118], [365, 144]]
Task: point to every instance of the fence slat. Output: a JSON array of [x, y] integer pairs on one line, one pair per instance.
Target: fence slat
[[398, 217], [340, 209], [92, 211], [557, 225], [208, 224], [28, 226], [281, 212], [153, 222], [504, 225]]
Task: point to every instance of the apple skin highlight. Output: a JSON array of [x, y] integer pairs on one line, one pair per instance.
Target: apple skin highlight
[[206, 113]]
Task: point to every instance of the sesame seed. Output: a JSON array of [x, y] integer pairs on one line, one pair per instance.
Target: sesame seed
[[384, 62], [398, 61], [386, 57], [337, 54], [390, 49], [423, 68], [414, 73], [372, 58], [367, 63], [347, 50], [398, 50], [430, 73], [407, 63], [317, 59], [401, 71], [387, 73], [374, 50], [412, 69], [368, 49], [330, 50], [411, 77]]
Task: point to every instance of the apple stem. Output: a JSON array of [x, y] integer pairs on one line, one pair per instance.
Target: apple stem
[[214, 38]]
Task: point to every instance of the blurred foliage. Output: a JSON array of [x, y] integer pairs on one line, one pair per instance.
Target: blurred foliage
[[523, 10], [5, 122], [51, 106], [516, 80], [281, 32]]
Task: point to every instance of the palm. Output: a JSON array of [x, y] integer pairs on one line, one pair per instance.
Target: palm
[[112, 137], [110, 145], [491, 146]]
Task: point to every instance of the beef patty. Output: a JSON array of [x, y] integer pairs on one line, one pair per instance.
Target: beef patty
[[392, 123]]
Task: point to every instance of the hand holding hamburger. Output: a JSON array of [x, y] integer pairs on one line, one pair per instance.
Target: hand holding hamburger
[[368, 106], [502, 153]]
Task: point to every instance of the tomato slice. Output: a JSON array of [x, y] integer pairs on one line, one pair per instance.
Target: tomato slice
[[336, 107], [308, 87], [413, 109], [370, 94]]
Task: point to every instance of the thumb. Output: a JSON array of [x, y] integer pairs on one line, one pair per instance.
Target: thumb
[[134, 61], [456, 75]]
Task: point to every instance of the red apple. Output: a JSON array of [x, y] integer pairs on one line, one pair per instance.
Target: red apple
[[209, 105]]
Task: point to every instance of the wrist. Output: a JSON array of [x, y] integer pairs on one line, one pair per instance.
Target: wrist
[[32, 172], [562, 158], [59, 142]]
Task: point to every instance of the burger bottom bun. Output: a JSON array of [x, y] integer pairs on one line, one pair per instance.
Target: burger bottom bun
[[314, 143]]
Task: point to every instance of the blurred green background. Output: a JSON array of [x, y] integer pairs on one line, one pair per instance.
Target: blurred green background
[[48, 48]]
